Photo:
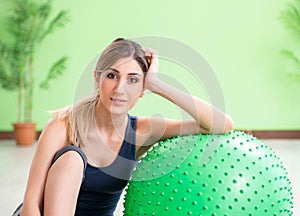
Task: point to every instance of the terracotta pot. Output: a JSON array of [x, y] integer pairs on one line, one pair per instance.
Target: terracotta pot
[[25, 133]]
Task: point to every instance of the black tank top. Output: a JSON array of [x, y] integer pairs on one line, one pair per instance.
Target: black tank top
[[102, 186]]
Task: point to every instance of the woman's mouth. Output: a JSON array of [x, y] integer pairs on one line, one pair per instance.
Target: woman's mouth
[[118, 101]]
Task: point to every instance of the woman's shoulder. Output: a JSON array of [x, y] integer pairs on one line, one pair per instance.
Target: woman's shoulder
[[55, 128], [143, 127], [54, 133], [59, 121], [55, 123]]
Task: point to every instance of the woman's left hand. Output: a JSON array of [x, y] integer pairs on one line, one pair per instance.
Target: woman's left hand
[[151, 75]]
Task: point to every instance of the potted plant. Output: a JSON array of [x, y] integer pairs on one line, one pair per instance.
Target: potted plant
[[28, 25], [291, 19]]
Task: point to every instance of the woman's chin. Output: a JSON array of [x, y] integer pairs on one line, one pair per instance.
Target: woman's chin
[[119, 110]]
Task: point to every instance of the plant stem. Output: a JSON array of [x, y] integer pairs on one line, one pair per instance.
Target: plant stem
[[20, 99]]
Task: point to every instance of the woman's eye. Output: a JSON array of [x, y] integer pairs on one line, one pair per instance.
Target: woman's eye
[[133, 80], [111, 76]]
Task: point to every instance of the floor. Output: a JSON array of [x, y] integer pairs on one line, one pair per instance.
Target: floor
[[15, 162]]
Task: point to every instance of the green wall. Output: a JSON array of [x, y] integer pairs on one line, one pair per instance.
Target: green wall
[[241, 40]]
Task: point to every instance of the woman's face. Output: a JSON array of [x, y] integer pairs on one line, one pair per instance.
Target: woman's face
[[121, 85]]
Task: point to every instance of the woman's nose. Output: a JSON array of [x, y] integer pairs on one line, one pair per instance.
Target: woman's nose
[[120, 86]]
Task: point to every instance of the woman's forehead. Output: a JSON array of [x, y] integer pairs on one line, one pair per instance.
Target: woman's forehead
[[127, 65]]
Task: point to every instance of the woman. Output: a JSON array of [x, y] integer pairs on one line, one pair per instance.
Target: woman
[[86, 153]]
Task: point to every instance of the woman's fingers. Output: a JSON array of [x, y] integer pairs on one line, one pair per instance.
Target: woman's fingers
[[150, 52]]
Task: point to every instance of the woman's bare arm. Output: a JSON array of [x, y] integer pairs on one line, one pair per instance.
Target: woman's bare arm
[[206, 117]]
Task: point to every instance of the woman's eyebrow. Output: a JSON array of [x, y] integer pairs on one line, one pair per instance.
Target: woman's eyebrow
[[132, 73], [135, 73], [115, 70]]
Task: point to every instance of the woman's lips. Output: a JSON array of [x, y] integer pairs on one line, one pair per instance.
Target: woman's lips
[[118, 101]]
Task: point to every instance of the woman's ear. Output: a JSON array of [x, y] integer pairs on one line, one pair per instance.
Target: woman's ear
[[96, 77], [145, 91], [95, 74], [142, 94]]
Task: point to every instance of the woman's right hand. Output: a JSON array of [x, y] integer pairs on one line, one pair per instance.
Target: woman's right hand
[[152, 73]]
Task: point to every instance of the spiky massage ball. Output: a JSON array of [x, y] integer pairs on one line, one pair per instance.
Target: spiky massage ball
[[230, 174]]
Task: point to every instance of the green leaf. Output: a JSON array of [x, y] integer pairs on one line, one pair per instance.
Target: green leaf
[[59, 21], [291, 18], [295, 62], [6, 81], [55, 71]]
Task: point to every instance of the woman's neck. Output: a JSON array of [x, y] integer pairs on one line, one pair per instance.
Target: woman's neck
[[106, 121]]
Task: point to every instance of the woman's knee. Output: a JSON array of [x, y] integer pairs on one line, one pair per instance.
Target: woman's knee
[[65, 172], [69, 162]]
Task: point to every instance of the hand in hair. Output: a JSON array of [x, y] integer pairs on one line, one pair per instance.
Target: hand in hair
[[151, 76]]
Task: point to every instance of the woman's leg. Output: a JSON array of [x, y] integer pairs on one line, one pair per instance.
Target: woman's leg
[[63, 184]]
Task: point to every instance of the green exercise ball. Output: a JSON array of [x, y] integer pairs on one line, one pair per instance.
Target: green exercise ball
[[230, 174]]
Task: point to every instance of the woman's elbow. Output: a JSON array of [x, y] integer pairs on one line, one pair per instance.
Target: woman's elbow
[[224, 126], [229, 124]]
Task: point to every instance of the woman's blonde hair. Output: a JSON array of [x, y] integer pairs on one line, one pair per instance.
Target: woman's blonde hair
[[80, 116]]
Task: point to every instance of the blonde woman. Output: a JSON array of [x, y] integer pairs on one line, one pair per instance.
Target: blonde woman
[[87, 151]]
